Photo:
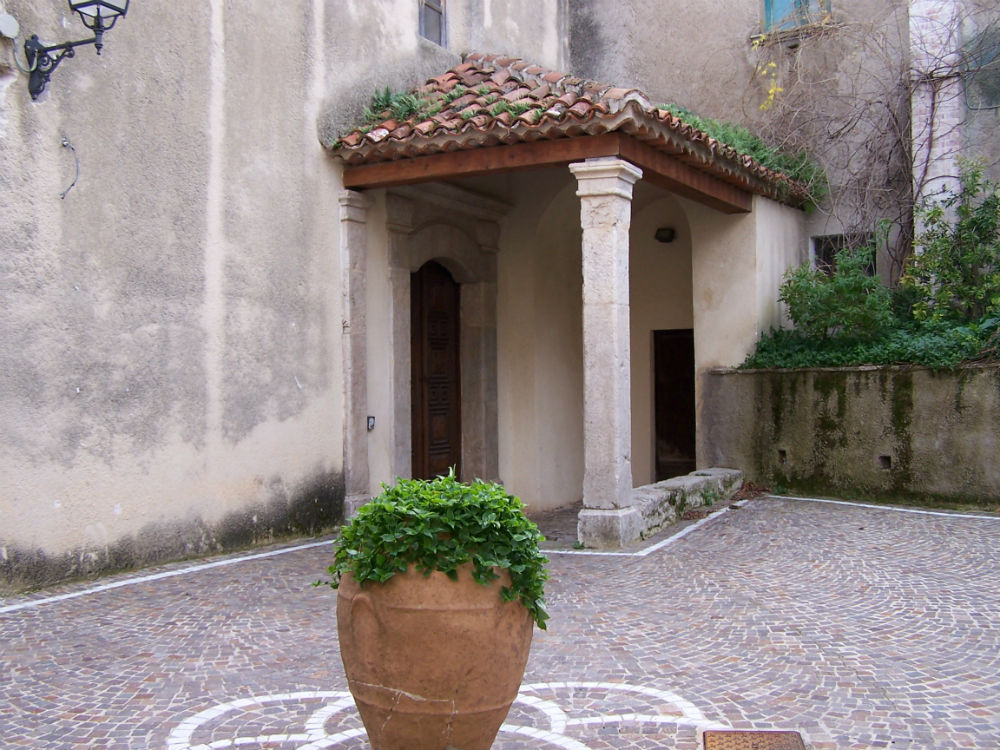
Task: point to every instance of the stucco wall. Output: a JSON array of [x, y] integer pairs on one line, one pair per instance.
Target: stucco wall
[[540, 341], [660, 298], [738, 263], [894, 432], [670, 49], [169, 329], [171, 334]]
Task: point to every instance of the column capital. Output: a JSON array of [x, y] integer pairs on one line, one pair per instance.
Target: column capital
[[399, 213], [606, 175], [354, 205]]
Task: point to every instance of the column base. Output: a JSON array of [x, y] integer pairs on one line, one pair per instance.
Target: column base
[[609, 529], [352, 503]]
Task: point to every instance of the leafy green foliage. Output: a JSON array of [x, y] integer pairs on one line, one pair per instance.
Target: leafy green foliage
[[388, 103], [846, 300], [440, 524], [945, 312], [797, 166], [955, 272], [931, 345], [458, 91]]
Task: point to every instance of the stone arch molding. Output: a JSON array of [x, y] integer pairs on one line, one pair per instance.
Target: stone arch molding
[[448, 245], [460, 230]]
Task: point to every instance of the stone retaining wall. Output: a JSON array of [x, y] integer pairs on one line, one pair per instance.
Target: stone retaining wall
[[894, 432]]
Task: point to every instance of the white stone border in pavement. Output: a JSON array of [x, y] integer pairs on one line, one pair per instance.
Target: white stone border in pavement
[[893, 508], [158, 576]]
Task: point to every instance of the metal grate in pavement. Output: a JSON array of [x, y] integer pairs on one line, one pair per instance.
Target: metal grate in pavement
[[750, 740]]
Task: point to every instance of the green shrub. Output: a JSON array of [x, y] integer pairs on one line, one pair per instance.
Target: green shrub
[[931, 345], [945, 311], [440, 524], [955, 271], [846, 300]]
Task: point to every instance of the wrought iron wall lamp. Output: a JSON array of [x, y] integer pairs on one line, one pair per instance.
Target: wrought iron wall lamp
[[665, 234], [97, 15]]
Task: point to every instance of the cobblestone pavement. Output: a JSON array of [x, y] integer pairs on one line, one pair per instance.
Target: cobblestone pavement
[[859, 627]]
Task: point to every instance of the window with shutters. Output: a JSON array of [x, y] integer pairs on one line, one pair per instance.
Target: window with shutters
[[432, 22], [784, 15], [982, 69]]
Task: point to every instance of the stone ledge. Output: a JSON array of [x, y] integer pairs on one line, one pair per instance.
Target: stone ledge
[[654, 506]]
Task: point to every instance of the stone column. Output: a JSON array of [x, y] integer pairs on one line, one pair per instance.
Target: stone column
[[480, 448], [354, 269], [605, 189], [400, 222], [937, 104]]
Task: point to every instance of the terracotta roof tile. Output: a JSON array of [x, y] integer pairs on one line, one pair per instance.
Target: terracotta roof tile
[[462, 102], [508, 100], [516, 93], [403, 131]]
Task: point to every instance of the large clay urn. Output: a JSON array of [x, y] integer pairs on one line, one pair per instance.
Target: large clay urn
[[432, 663]]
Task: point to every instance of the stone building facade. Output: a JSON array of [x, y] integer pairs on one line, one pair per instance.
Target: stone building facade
[[205, 337]]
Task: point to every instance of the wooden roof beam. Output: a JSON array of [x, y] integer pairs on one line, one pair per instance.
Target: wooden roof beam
[[672, 174], [659, 168]]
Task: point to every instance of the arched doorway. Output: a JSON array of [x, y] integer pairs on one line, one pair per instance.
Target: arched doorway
[[436, 382]]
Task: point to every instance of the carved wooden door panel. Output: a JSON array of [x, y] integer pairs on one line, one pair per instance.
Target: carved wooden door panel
[[436, 380]]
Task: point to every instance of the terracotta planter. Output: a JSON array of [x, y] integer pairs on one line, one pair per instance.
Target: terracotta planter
[[432, 663]]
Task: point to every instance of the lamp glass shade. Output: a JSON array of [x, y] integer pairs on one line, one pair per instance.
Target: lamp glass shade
[[106, 10]]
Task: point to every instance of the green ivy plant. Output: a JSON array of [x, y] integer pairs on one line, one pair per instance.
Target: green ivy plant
[[440, 524]]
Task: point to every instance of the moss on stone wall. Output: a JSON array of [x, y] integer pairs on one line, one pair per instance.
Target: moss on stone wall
[[902, 429], [897, 433], [317, 507]]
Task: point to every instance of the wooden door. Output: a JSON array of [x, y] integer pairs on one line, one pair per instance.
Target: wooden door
[[436, 379], [673, 366]]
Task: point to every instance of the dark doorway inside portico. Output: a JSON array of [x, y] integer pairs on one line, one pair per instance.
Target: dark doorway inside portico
[[436, 378], [673, 398]]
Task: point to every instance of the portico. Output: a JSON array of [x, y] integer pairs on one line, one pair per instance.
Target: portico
[[437, 194]]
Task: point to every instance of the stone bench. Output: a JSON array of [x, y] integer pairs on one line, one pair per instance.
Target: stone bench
[[654, 506]]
